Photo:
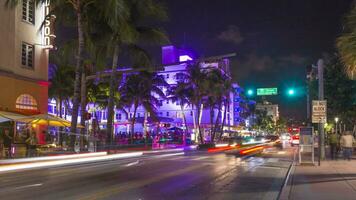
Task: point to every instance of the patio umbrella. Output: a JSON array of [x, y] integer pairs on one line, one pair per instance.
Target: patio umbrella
[[47, 120], [10, 116]]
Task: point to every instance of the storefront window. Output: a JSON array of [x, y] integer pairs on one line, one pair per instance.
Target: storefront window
[[26, 102]]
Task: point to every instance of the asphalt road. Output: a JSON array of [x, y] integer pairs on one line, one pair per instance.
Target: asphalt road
[[189, 175]]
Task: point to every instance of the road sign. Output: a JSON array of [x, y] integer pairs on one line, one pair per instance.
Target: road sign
[[266, 91], [319, 112]]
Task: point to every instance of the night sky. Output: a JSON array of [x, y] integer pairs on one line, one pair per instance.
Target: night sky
[[274, 39]]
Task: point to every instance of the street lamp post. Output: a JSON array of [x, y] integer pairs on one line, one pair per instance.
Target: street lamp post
[[336, 120]]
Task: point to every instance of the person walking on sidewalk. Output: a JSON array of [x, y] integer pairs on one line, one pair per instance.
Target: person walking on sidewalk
[[334, 145], [346, 142], [31, 145]]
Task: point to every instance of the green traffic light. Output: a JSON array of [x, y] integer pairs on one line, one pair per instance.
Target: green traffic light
[[291, 92], [250, 92]]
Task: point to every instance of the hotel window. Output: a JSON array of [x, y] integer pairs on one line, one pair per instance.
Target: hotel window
[[167, 114], [27, 55], [191, 113], [26, 102], [28, 11], [167, 76]]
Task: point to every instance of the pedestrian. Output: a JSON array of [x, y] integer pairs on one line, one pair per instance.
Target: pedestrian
[[346, 142], [31, 145], [333, 141], [7, 143]]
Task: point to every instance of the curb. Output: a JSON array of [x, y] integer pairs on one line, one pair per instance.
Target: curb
[[286, 187]]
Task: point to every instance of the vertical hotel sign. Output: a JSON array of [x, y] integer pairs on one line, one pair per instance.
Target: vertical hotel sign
[[48, 24]]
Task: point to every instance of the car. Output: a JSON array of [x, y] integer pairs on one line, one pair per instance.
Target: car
[[294, 140], [285, 137]]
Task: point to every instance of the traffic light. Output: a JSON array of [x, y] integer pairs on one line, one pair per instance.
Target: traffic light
[[250, 92], [291, 92]]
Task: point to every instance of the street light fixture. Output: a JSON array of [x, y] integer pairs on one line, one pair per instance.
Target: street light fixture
[[250, 92], [336, 120]]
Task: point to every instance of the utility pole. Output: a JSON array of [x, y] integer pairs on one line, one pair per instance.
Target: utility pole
[[321, 98]]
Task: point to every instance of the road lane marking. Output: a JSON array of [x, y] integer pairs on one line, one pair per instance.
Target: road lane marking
[[200, 158], [132, 163], [168, 155], [20, 187], [27, 186]]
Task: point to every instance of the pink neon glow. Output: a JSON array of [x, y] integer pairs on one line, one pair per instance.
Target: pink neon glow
[[184, 58]]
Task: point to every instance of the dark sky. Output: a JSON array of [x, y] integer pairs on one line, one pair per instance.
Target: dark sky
[[274, 39]]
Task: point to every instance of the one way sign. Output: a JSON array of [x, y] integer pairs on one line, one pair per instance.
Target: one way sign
[[319, 112]]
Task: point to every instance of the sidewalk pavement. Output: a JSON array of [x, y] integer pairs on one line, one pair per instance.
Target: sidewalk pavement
[[334, 179]]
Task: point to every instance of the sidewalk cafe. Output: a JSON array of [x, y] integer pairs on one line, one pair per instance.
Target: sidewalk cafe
[[32, 135]]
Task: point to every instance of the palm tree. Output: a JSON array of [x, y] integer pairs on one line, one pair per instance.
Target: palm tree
[[180, 93], [142, 89], [215, 97], [198, 82], [346, 43], [226, 90], [61, 76], [124, 22]]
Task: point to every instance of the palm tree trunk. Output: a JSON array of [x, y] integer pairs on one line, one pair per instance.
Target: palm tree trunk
[[145, 127], [216, 122], [224, 120], [78, 70], [133, 120], [185, 124], [113, 88], [199, 110], [83, 105], [60, 138], [211, 121], [57, 106]]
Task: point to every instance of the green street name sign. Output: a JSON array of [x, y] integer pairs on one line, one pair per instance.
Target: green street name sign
[[266, 91]]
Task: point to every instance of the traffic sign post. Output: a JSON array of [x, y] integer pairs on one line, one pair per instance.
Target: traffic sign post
[[319, 116], [319, 112]]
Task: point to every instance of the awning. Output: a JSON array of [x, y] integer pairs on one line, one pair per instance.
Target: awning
[[10, 116], [47, 120]]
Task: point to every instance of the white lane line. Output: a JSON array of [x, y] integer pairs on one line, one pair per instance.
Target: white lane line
[[271, 167], [132, 163], [28, 186], [168, 155], [200, 158], [272, 160]]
